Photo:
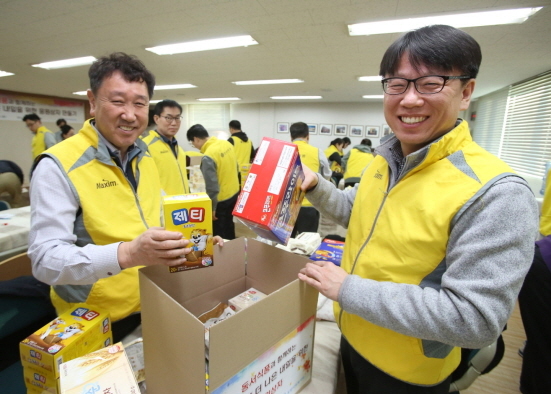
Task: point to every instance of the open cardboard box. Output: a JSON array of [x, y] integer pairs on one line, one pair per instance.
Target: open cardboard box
[[174, 339]]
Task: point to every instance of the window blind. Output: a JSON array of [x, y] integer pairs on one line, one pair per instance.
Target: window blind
[[214, 117], [490, 118]]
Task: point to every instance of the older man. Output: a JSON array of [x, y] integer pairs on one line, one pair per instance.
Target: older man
[[439, 236]]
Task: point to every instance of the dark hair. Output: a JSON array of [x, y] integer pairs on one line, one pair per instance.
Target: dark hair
[[299, 130], [346, 141], [336, 141], [31, 117], [65, 129], [132, 69], [198, 131], [59, 121], [161, 105], [366, 141], [235, 124], [440, 46]]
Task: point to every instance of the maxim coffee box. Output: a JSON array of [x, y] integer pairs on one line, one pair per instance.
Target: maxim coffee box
[[271, 197], [191, 214], [264, 348]]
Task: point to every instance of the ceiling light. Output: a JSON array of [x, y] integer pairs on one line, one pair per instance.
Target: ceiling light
[[220, 99], [203, 45], [81, 93], [268, 81], [375, 78], [486, 18], [79, 61], [373, 96], [5, 73], [181, 86], [154, 101], [296, 97]]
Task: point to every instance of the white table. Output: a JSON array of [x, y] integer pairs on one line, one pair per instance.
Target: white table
[[14, 231]]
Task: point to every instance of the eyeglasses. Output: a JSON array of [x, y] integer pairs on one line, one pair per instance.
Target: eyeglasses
[[170, 119], [429, 84]]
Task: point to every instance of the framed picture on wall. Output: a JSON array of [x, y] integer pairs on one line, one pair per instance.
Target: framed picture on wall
[[326, 129], [282, 127], [372, 131], [356, 131], [386, 130], [312, 128], [340, 129]]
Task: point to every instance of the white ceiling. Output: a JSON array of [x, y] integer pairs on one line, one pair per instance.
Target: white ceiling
[[305, 39]]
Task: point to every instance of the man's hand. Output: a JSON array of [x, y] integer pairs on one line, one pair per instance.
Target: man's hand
[[310, 179], [325, 277], [154, 246]]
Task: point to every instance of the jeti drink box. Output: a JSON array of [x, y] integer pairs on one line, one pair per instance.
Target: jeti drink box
[[271, 197], [191, 215]]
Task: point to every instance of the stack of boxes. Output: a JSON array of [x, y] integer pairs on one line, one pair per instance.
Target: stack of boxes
[[75, 333]]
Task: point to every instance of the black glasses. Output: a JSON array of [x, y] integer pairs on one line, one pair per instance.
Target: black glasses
[[169, 119], [429, 84]]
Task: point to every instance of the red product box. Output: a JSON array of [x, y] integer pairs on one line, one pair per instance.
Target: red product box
[[271, 197]]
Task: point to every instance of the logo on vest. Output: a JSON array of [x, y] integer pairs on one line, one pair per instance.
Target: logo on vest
[[104, 183], [378, 175]]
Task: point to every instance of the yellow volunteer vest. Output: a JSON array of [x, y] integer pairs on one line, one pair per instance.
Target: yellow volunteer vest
[[243, 154], [309, 156], [545, 219], [38, 144], [356, 163], [334, 165], [172, 170], [111, 212], [379, 247], [223, 154]]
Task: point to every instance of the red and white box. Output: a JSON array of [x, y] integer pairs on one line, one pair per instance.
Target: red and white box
[[271, 197]]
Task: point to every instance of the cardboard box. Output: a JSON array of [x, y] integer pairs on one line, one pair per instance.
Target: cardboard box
[[79, 331], [104, 371], [329, 250], [271, 197], [191, 214], [255, 347]]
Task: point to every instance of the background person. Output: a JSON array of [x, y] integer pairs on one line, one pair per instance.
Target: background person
[[334, 156], [11, 181], [59, 134], [43, 138], [67, 131], [244, 149], [429, 266], [354, 162]]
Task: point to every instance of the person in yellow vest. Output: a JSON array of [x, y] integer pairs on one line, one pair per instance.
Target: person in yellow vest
[[169, 157], [354, 162], [96, 198], [535, 308], [219, 168], [313, 158], [43, 138], [439, 230], [334, 156], [244, 150]]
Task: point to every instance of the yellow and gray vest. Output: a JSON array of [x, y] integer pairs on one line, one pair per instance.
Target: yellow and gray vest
[[335, 167], [223, 155], [38, 143], [172, 169], [243, 154], [110, 211], [309, 156], [357, 161], [377, 247]]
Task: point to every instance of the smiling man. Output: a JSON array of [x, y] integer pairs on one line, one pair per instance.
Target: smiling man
[[96, 198], [440, 232]]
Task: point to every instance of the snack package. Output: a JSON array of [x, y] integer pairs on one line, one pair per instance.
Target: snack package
[[245, 299], [329, 250], [191, 214]]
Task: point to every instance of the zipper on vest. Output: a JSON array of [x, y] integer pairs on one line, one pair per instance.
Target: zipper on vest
[[365, 242], [136, 197]]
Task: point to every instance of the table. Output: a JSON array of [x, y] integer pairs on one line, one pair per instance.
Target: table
[[15, 225]]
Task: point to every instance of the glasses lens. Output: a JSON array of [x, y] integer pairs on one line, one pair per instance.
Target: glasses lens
[[430, 85], [169, 119], [395, 85]]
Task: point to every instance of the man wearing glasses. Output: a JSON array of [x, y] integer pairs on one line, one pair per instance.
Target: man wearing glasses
[[163, 147], [440, 231], [43, 138]]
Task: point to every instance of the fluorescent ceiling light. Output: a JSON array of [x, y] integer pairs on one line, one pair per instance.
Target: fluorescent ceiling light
[[203, 45], [154, 101], [296, 97], [5, 73], [81, 93], [220, 99], [373, 96], [375, 78], [181, 86], [486, 18], [79, 61], [268, 81]]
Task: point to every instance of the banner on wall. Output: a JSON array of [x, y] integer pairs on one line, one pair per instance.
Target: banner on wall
[[14, 107]]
